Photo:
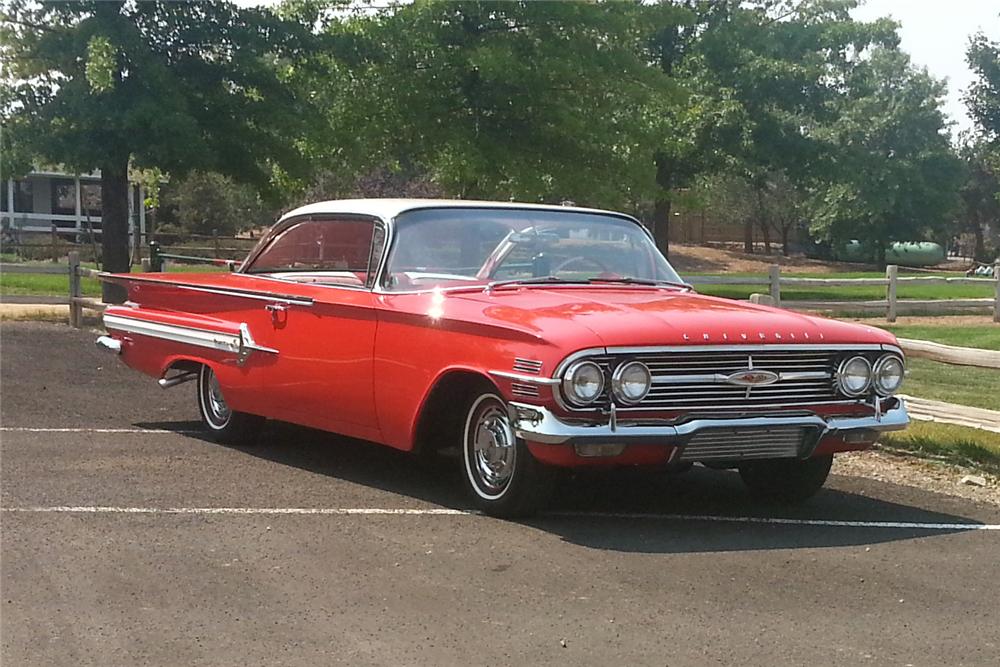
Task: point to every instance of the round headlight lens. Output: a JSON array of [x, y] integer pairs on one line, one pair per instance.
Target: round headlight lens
[[854, 376], [583, 382], [888, 374], [630, 382]]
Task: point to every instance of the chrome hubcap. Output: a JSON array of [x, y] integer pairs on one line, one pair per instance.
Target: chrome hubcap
[[218, 411], [493, 448]]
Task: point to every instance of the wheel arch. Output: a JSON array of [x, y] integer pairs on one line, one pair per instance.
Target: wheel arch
[[437, 412]]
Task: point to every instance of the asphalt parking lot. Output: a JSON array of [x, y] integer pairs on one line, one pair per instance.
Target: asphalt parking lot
[[128, 539]]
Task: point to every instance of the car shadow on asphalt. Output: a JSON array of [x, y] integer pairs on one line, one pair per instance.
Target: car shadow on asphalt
[[624, 510]]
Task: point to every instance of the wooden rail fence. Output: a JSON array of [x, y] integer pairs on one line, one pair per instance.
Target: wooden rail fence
[[76, 300], [891, 305]]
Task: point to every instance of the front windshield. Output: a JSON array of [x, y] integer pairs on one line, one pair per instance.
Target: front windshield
[[448, 247]]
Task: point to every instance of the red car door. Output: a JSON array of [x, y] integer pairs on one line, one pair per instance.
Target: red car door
[[321, 375]]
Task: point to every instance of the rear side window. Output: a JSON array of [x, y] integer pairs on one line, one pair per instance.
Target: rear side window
[[330, 250]]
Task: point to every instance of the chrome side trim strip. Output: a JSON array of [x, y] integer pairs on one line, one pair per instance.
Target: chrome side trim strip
[[538, 424], [226, 291], [241, 344], [521, 377]]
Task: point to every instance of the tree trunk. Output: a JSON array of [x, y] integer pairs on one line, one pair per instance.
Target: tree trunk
[[114, 226], [662, 205], [748, 236], [661, 225], [765, 231], [784, 239], [979, 252]]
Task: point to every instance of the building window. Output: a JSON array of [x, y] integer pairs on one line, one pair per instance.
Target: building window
[[22, 197]]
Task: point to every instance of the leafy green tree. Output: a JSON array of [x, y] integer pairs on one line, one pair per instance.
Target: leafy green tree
[[760, 77], [209, 203], [983, 96], [896, 176], [173, 85], [980, 193], [540, 101]]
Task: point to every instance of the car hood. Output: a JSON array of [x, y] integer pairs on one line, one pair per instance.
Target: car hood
[[637, 316]]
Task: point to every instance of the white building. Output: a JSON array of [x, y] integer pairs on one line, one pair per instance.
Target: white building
[[71, 202]]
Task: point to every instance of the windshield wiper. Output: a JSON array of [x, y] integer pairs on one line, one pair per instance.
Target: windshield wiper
[[542, 280], [641, 281]]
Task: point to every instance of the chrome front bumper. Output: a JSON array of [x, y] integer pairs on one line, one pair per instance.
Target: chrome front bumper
[[537, 424]]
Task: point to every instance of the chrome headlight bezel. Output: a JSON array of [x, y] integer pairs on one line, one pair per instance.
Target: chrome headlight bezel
[[841, 374], [618, 382], [568, 386], [880, 365]]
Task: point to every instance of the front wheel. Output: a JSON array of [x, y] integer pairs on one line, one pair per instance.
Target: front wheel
[[786, 480], [504, 479], [223, 423]]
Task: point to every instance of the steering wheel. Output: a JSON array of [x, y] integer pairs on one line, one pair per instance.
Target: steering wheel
[[580, 258]]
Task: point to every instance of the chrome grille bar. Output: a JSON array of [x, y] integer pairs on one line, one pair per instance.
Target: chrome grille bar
[[697, 380], [736, 445]]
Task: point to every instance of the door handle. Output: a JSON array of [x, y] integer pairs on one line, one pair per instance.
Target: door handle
[[278, 311]]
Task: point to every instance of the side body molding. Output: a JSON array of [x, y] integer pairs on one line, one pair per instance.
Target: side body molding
[[241, 342]]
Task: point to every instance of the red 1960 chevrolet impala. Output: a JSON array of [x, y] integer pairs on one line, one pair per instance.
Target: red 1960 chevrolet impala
[[530, 337]]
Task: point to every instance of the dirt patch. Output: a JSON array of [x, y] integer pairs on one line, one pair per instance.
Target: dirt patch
[[939, 477], [701, 259], [936, 320], [716, 259]]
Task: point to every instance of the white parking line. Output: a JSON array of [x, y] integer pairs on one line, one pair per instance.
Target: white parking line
[[32, 429], [438, 511]]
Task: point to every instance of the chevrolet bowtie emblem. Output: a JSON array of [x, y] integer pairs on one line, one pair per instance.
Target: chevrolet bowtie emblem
[[752, 378]]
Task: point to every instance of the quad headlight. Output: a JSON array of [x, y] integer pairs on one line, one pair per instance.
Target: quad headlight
[[583, 383], [888, 374], [631, 382], [854, 376]]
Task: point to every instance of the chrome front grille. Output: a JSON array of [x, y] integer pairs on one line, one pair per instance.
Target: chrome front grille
[[697, 381], [745, 444]]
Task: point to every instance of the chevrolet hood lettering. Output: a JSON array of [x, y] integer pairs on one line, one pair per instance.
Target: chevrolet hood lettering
[[752, 378]]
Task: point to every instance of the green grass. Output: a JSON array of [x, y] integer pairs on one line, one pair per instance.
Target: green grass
[[965, 385], [956, 444], [41, 284], [984, 336], [874, 293]]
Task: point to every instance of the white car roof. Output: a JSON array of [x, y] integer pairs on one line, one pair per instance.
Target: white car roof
[[387, 209]]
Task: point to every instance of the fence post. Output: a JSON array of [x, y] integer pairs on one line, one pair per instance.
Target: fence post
[[774, 283], [891, 271], [155, 261], [996, 298], [55, 244], [75, 311]]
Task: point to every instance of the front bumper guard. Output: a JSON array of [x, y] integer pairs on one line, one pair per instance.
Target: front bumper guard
[[535, 423]]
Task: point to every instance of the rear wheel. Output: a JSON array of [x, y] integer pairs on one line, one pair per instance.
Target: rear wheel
[[786, 480], [504, 479], [223, 423]]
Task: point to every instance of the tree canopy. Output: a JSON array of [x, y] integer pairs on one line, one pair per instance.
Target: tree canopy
[[790, 113], [171, 85]]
